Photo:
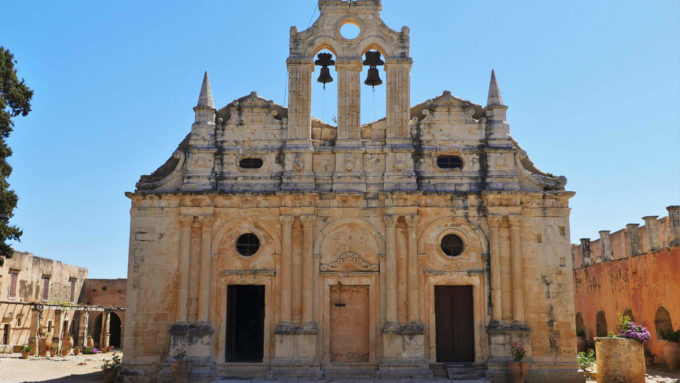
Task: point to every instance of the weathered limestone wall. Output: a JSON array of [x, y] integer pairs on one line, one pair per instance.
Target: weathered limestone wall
[[641, 283]]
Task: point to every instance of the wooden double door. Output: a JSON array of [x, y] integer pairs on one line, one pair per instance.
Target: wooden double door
[[454, 320]]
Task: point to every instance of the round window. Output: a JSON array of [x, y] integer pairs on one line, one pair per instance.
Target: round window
[[247, 244], [452, 245], [350, 31]]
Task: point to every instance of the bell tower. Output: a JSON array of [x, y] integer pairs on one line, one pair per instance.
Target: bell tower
[[376, 44]]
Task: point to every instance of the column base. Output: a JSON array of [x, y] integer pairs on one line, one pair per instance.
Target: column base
[[190, 340]]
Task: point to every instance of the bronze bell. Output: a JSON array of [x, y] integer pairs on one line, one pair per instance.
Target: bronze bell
[[373, 60], [325, 76], [373, 78], [324, 60]]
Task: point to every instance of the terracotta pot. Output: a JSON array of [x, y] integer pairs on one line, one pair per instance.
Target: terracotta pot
[[44, 344], [581, 344], [24, 354], [53, 353], [671, 353], [517, 371], [90, 342], [43, 353], [620, 360], [109, 375], [66, 345], [76, 351]]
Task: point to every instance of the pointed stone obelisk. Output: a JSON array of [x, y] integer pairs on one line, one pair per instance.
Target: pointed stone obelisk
[[205, 97], [494, 97]]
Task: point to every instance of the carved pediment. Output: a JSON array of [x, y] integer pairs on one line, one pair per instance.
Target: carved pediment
[[349, 262]]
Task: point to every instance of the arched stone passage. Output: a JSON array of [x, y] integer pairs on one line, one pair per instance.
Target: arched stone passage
[[662, 322], [115, 330], [628, 312], [601, 324], [580, 325]]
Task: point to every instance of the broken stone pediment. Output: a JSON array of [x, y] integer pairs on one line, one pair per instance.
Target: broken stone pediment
[[349, 261]]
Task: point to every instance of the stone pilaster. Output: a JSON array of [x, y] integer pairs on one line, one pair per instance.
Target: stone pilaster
[[517, 269], [83, 327], [674, 223], [497, 308], [652, 232], [606, 242], [106, 330], [633, 238], [286, 270], [204, 272], [586, 260], [412, 262], [349, 101], [59, 328], [183, 271], [391, 274], [308, 272]]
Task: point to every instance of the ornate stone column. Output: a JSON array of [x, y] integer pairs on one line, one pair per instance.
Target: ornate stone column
[[652, 232], [633, 237], [204, 272], [308, 272], [286, 269], [674, 223], [413, 285], [517, 270], [183, 272], [497, 311], [391, 322]]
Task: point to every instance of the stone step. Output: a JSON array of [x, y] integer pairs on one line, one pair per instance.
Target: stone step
[[461, 371]]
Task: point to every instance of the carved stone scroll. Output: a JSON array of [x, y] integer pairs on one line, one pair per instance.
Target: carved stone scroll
[[349, 262]]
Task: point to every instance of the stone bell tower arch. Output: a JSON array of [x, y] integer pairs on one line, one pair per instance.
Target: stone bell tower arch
[[394, 49]]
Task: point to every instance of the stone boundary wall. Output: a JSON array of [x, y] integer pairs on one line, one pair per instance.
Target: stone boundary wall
[[634, 275]]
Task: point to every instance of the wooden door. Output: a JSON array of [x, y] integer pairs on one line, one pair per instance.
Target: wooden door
[[454, 324], [349, 338]]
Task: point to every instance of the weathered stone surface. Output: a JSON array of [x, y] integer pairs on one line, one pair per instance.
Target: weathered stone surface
[[353, 207], [620, 360]]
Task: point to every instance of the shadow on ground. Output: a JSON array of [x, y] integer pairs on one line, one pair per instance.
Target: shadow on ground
[[83, 378]]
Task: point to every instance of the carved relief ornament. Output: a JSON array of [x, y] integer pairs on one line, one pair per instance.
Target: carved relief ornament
[[349, 262]]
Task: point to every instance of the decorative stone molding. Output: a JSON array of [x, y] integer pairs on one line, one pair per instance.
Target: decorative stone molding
[[349, 262]]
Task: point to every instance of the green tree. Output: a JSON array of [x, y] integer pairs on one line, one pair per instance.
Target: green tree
[[15, 100]]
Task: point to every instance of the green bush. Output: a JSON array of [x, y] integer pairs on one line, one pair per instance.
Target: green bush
[[586, 360]]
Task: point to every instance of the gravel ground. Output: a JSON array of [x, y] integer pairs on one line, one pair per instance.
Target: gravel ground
[[81, 368]]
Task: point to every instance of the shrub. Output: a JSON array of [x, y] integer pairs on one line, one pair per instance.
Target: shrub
[[28, 349], [586, 360], [113, 363]]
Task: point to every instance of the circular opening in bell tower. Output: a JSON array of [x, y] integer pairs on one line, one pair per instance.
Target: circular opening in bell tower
[[350, 31]]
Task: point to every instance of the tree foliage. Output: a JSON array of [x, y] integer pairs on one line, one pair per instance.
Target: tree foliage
[[15, 100]]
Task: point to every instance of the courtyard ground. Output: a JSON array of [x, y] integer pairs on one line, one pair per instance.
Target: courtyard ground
[[87, 368]]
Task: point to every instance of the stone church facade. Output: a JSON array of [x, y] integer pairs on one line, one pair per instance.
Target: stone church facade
[[273, 244]]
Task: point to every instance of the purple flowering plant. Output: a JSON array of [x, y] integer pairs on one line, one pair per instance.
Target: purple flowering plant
[[631, 330]]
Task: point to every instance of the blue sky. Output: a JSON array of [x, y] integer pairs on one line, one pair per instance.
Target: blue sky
[[593, 89]]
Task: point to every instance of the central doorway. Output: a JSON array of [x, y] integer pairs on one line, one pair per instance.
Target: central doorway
[[454, 324], [349, 323], [245, 323]]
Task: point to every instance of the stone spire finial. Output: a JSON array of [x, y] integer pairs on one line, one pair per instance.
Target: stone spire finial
[[494, 92], [205, 98]]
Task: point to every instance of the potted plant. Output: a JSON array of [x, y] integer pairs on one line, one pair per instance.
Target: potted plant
[[620, 356], [517, 370], [181, 368], [671, 352], [110, 368], [76, 351], [586, 361], [26, 351], [90, 342]]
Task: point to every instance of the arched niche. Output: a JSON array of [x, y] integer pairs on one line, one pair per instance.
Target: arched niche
[[224, 245], [601, 324], [474, 240], [662, 322], [349, 236], [580, 325]]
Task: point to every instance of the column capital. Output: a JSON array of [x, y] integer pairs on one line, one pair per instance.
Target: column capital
[[286, 219], [299, 61], [494, 220], [390, 220], [186, 220], [604, 233], [515, 220], [205, 220], [307, 220], [632, 226], [650, 217], [411, 220]]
